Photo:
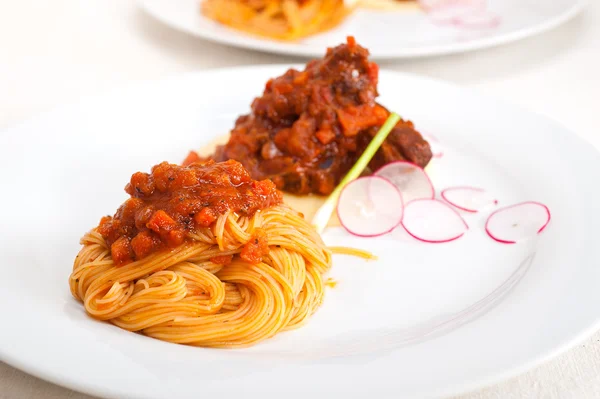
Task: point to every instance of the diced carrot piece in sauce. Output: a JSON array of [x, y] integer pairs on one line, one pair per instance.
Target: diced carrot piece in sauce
[[191, 158], [121, 251], [256, 247], [205, 217], [356, 119], [143, 244], [325, 136], [160, 221]]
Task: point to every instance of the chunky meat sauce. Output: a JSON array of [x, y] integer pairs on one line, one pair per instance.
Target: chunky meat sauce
[[173, 200], [309, 127]]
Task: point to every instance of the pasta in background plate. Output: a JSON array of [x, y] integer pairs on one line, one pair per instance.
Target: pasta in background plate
[[290, 19]]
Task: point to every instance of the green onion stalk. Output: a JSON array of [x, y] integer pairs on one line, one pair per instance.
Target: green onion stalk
[[321, 218]]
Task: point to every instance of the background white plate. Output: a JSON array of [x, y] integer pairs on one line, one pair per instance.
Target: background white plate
[[387, 34], [423, 320]]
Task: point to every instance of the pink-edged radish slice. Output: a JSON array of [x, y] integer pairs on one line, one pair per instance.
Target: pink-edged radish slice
[[479, 20], [434, 145], [448, 15], [518, 222], [448, 12], [431, 220], [468, 199], [411, 180], [437, 4], [453, 11], [370, 206]]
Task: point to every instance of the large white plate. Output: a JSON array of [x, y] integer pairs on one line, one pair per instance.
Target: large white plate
[[387, 34], [426, 319]]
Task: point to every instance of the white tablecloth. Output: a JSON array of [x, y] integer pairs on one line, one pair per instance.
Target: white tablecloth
[[52, 52]]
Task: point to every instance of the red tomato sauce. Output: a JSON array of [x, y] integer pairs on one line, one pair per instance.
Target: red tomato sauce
[[310, 127], [173, 200]]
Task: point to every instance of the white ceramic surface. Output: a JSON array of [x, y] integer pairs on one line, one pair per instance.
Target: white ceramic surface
[[423, 320], [387, 34]]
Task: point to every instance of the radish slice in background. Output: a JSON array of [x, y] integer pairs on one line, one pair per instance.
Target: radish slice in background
[[466, 13], [448, 11], [370, 206], [469, 199], [433, 221], [411, 180], [517, 222], [434, 145], [440, 4], [449, 14], [479, 19]]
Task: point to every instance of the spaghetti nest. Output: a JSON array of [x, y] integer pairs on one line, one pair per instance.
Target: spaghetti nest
[[186, 295], [277, 19]]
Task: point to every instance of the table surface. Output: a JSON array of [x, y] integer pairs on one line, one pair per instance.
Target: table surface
[[52, 52]]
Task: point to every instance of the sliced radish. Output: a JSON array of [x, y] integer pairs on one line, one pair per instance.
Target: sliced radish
[[438, 4], [370, 206], [517, 222], [449, 14], [479, 19], [433, 221], [469, 199], [450, 11], [411, 180], [434, 145]]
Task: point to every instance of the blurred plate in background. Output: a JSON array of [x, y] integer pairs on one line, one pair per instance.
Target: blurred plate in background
[[404, 32]]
